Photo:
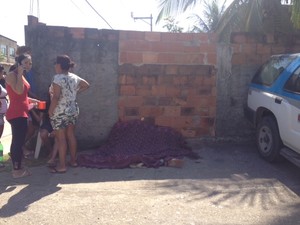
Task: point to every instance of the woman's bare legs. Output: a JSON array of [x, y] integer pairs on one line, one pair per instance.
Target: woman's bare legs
[[62, 150], [51, 161], [72, 143]]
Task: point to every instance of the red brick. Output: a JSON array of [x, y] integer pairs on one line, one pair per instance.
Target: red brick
[[180, 101], [132, 35], [180, 80], [211, 59], [203, 111], [238, 59], [130, 101], [172, 111], [151, 111], [236, 48], [209, 81], [263, 49], [208, 48], [166, 58], [277, 50], [238, 38], [270, 38], [134, 57], [190, 59], [158, 90], [165, 80], [57, 31], [172, 91], [143, 90], [175, 121], [127, 90], [248, 48], [168, 37], [131, 111], [207, 122], [150, 80], [77, 33], [122, 58], [150, 58], [253, 59], [131, 79], [165, 101], [172, 69], [152, 36]]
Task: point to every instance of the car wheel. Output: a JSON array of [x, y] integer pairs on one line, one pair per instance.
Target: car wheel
[[268, 139]]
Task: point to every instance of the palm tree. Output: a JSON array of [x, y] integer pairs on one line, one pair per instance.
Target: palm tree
[[247, 15], [174, 7], [212, 14]]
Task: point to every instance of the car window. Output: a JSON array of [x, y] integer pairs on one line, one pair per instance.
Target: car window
[[293, 83], [270, 71]]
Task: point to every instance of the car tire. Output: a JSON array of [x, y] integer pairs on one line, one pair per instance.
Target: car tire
[[268, 139]]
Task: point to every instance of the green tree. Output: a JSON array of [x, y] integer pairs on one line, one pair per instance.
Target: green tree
[[172, 25]]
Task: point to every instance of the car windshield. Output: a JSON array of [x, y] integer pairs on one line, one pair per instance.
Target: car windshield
[[270, 71]]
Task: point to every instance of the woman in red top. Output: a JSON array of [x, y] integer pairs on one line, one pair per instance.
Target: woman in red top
[[17, 113]]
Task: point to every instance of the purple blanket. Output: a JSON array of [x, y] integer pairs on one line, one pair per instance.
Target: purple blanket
[[134, 142]]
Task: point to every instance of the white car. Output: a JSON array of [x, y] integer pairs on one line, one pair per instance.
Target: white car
[[273, 107]]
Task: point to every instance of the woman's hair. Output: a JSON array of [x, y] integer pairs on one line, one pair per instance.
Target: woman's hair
[[23, 49], [65, 62], [20, 58]]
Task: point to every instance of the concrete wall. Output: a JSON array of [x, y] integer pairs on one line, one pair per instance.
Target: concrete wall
[[190, 82], [95, 53], [237, 63]]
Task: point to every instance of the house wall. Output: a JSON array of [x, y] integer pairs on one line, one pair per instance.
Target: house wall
[[10, 46], [191, 82]]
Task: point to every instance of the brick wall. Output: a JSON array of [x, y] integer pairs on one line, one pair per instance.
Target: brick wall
[[191, 82], [169, 79]]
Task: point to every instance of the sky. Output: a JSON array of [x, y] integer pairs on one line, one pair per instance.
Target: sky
[[78, 13]]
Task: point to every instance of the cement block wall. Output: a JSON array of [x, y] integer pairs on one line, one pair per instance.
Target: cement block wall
[[190, 82]]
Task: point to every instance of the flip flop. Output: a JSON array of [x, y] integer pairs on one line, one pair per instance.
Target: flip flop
[[74, 165], [51, 164], [54, 170], [25, 173]]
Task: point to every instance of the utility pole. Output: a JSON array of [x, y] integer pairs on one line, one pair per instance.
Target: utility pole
[[143, 19]]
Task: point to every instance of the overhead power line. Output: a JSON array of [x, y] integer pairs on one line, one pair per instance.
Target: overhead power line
[[98, 14]]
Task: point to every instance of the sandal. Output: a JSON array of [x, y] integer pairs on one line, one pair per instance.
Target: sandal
[[55, 170], [28, 154], [21, 173]]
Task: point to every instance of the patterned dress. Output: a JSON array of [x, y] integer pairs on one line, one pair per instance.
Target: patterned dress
[[66, 112]]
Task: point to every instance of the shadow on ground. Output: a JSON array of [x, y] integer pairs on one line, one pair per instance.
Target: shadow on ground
[[226, 174]]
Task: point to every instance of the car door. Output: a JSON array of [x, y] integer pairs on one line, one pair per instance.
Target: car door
[[289, 105]]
